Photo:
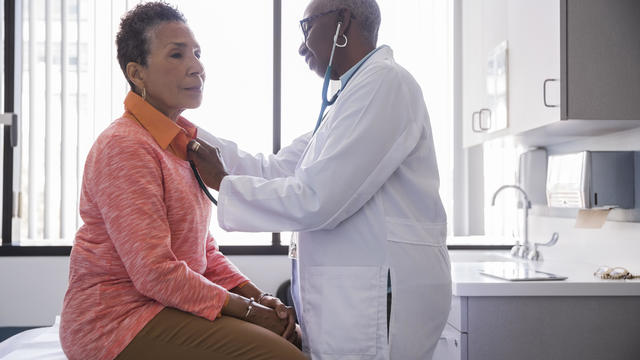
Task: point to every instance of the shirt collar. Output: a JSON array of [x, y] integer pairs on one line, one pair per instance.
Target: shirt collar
[[344, 79], [168, 134]]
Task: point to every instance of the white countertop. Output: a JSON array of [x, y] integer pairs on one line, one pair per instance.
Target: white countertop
[[467, 280]]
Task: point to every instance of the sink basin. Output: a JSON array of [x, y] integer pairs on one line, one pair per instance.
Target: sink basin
[[481, 256]]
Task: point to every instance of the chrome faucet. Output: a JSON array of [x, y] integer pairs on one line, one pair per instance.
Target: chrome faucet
[[535, 255], [524, 249]]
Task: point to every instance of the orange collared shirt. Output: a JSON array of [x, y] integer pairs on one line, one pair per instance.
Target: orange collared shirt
[[168, 134]]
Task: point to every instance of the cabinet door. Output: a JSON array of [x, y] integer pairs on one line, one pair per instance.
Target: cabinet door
[[484, 27], [602, 55], [495, 64], [452, 345], [473, 87], [534, 57]]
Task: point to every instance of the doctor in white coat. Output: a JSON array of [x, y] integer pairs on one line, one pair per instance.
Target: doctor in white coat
[[360, 193]]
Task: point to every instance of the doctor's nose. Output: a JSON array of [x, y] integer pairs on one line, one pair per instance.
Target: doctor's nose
[[303, 49]]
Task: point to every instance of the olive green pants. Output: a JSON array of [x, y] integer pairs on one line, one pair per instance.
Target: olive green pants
[[174, 334]]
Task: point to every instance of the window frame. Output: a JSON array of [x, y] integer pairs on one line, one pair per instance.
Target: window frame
[[11, 68]]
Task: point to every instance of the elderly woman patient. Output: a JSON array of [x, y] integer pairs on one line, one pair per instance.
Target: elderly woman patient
[[146, 278]]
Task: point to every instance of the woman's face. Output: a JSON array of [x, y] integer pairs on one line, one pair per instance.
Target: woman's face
[[174, 76]]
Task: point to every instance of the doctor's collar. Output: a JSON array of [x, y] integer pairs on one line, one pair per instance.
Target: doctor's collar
[[344, 79]]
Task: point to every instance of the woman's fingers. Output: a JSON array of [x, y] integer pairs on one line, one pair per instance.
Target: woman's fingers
[[296, 337], [284, 312], [291, 326]]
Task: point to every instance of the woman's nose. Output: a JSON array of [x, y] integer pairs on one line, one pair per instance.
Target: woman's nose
[[196, 68]]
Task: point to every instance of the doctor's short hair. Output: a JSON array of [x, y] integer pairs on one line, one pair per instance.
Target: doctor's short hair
[[366, 12], [133, 38]]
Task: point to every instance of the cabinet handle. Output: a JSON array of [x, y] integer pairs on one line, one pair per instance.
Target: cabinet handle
[[475, 128], [544, 92], [443, 338], [485, 110]]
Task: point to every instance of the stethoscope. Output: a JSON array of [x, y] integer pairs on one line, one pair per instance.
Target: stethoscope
[[327, 78], [200, 182], [325, 102]]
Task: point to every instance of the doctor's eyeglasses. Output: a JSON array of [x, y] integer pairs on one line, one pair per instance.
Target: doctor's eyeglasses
[[614, 273], [305, 24]]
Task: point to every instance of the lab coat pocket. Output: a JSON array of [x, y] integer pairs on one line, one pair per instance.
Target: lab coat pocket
[[342, 309], [416, 232]]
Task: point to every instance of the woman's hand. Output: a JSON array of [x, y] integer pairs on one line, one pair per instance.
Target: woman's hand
[[296, 337], [284, 312], [208, 162], [267, 318], [238, 307]]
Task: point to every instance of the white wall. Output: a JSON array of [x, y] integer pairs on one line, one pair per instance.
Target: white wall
[[32, 288], [617, 243]]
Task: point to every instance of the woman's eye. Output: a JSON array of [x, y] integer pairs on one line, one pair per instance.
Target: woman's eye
[[176, 55], [198, 55]]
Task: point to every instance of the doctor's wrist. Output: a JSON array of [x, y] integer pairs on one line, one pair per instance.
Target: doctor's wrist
[[218, 180]]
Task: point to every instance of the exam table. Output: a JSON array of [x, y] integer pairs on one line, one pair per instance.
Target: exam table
[[41, 343]]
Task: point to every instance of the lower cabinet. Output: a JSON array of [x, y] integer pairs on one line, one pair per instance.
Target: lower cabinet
[[541, 327], [452, 345]]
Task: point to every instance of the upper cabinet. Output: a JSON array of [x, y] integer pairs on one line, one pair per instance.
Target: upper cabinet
[[574, 60], [484, 28], [601, 59], [534, 56]]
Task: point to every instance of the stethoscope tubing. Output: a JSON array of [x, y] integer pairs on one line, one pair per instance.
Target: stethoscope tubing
[[201, 183]]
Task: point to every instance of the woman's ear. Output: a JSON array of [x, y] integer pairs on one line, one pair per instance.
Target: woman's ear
[[135, 73]]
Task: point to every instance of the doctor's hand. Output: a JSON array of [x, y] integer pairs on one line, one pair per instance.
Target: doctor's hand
[[284, 312], [208, 162]]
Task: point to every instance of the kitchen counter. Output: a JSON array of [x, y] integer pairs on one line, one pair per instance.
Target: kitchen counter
[[467, 280]]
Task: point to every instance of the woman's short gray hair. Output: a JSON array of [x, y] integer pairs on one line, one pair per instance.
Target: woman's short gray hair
[[366, 12]]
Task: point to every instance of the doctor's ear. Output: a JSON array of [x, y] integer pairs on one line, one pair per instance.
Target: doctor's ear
[[135, 74], [344, 17]]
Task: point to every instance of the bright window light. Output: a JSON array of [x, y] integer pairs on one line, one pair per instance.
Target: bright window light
[[73, 88]]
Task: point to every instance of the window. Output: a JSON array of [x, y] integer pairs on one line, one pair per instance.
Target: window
[[66, 104], [238, 96], [72, 88], [500, 166]]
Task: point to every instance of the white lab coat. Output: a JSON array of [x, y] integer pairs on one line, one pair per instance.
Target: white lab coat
[[362, 196]]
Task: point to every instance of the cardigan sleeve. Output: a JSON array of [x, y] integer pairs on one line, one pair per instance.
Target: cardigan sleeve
[[219, 269], [128, 188]]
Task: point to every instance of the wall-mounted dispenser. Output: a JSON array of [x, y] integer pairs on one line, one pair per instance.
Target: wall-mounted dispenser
[[591, 179]]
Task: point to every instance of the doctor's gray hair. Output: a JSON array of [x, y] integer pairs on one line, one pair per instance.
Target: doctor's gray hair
[[366, 12]]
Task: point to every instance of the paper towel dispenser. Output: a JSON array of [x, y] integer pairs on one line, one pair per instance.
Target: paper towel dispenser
[[591, 179]]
